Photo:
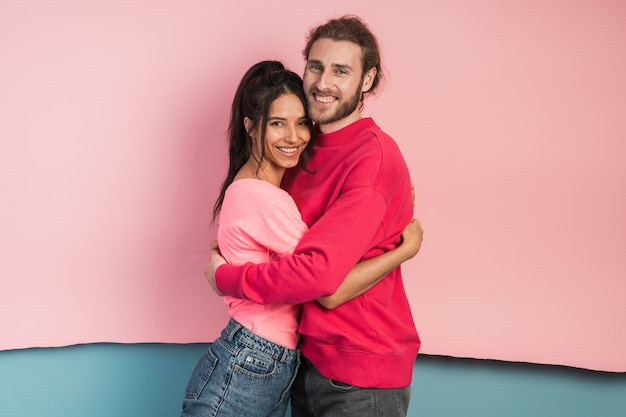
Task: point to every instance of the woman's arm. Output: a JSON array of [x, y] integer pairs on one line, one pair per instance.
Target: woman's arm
[[368, 273]]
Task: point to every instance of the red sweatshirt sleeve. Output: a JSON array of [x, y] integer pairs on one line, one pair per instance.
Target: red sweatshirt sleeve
[[322, 259]]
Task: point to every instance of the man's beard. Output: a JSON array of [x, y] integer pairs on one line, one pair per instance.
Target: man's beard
[[344, 110]]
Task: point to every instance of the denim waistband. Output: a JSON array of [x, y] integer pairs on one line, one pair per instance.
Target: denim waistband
[[236, 332]]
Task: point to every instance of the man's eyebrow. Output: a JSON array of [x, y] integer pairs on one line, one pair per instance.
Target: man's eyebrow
[[342, 66], [337, 66]]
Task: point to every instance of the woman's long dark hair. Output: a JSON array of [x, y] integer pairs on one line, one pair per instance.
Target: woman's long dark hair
[[263, 83]]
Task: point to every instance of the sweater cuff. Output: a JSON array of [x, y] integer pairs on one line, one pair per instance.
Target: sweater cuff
[[227, 280]]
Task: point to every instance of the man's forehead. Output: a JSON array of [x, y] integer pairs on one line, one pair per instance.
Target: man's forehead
[[330, 52]]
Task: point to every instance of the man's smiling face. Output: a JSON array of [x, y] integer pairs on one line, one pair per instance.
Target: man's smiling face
[[333, 82]]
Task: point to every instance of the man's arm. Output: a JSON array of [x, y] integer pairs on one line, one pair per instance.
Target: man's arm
[[368, 273], [361, 278], [335, 243]]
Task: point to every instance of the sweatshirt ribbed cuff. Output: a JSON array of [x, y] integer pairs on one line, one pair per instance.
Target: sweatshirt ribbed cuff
[[227, 280]]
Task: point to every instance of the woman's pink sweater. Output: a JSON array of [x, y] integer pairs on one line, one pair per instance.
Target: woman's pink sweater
[[260, 222]]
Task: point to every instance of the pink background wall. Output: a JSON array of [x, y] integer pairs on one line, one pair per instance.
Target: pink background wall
[[510, 115]]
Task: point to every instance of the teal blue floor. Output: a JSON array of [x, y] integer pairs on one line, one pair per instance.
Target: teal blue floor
[[114, 380]]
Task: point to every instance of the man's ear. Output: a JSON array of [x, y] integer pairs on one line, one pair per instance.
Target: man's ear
[[368, 80]]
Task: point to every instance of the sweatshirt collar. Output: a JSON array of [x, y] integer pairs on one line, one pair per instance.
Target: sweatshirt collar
[[341, 136]]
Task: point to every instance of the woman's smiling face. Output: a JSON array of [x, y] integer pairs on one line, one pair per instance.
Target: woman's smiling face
[[287, 133]]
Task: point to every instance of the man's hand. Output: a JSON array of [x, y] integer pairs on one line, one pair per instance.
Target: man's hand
[[216, 262]]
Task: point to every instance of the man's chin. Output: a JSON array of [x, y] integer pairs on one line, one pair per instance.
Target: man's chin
[[322, 118]]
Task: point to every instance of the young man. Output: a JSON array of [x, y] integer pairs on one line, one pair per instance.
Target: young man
[[358, 357]]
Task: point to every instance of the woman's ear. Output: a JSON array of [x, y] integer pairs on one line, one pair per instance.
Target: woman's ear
[[249, 125]]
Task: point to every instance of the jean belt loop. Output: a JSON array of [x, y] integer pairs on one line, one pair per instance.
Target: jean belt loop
[[233, 328]]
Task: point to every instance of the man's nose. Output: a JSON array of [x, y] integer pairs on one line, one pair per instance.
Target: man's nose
[[324, 81]]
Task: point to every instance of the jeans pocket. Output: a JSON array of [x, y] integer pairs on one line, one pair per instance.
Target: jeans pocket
[[254, 363], [342, 386], [200, 375]]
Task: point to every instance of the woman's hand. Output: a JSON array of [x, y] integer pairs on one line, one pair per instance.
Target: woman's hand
[[412, 237]]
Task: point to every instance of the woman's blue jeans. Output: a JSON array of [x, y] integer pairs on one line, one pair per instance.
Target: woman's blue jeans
[[241, 374]]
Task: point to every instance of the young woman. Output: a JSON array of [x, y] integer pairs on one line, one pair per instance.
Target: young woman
[[248, 371]]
